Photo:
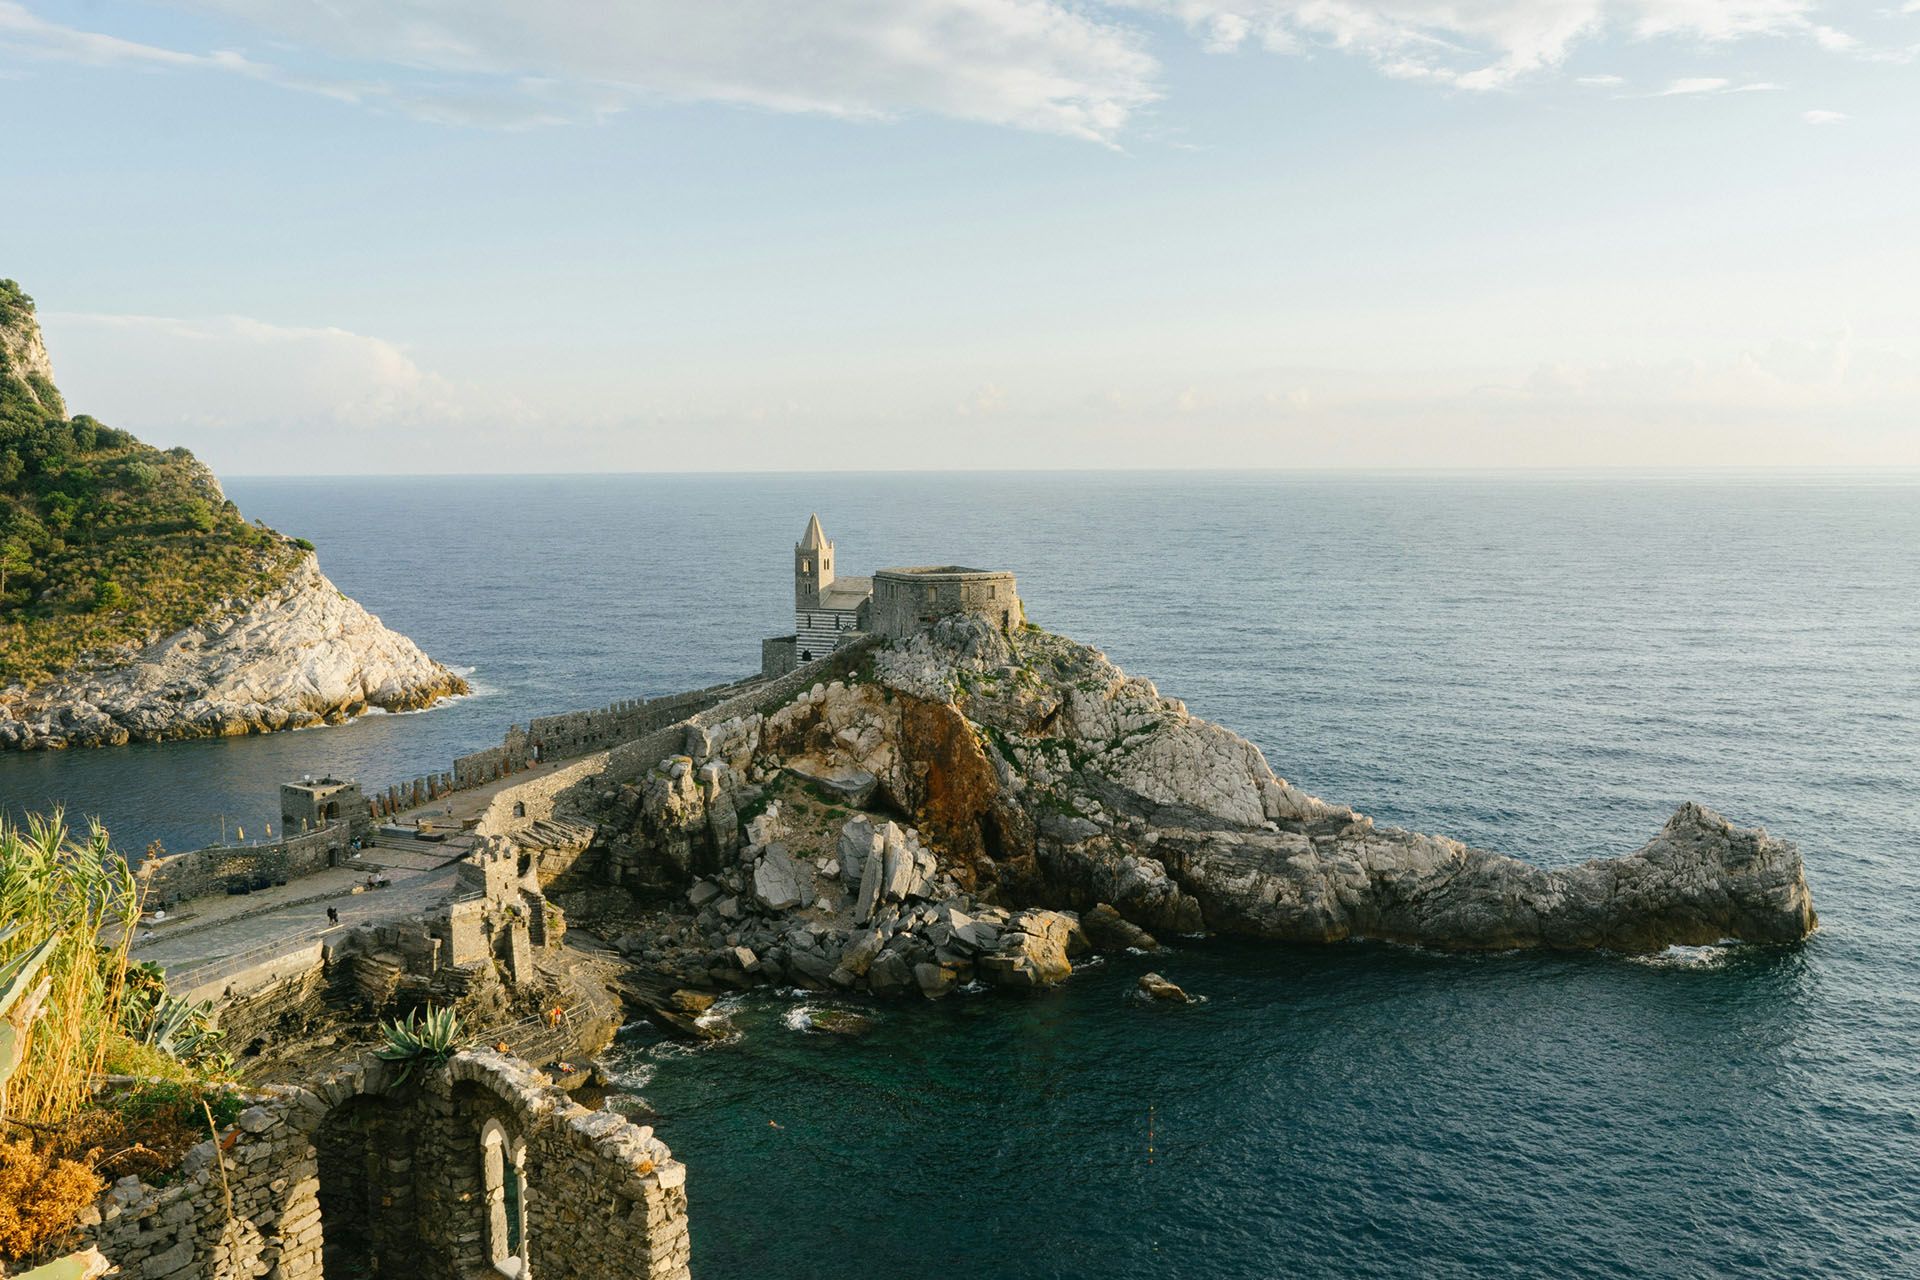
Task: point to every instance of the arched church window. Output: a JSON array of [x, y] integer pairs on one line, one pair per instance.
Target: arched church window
[[503, 1170], [806, 566]]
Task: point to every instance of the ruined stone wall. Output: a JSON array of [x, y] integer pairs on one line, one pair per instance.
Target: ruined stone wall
[[603, 1196], [180, 876], [359, 1175], [262, 1217]]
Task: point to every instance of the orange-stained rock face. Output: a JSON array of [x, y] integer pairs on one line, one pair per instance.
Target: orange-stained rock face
[[955, 799]]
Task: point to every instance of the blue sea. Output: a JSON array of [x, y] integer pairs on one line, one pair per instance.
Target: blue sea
[[1542, 664]]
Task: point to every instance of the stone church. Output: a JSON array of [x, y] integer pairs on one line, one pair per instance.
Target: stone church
[[830, 611]]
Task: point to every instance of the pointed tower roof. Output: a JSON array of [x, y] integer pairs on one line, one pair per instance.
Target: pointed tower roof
[[815, 539]]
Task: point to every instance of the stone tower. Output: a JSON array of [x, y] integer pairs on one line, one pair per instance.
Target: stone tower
[[812, 566]]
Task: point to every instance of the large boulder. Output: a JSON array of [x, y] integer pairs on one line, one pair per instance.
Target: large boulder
[[1108, 930], [1033, 951], [779, 884], [859, 840]]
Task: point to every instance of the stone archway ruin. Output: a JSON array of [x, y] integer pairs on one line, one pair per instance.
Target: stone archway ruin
[[356, 1177]]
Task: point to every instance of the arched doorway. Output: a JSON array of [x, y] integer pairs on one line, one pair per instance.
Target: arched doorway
[[365, 1205]]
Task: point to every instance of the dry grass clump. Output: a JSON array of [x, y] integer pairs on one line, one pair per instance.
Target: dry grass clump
[[40, 1197]]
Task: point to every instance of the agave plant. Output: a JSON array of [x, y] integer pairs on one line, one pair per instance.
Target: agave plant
[[420, 1040], [181, 1029]]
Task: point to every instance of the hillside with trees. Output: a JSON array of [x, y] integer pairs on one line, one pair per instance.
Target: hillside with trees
[[106, 543]]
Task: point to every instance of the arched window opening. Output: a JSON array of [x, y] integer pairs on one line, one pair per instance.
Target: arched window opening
[[503, 1170], [519, 808], [806, 655]]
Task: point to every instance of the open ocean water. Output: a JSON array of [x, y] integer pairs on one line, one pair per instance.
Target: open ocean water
[[1543, 665]]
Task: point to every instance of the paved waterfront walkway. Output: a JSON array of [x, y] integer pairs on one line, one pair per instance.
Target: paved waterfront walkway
[[207, 931], [212, 929]]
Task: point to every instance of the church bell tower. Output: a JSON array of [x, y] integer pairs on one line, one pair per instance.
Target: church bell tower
[[812, 566]]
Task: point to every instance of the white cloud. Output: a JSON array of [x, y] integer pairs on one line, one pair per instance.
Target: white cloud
[[248, 395], [1044, 65], [252, 397], [988, 400], [1034, 64], [1080, 68], [1486, 44], [1823, 117], [1601, 82], [1695, 84]]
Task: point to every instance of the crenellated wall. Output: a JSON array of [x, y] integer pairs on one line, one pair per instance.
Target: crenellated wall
[[575, 733]]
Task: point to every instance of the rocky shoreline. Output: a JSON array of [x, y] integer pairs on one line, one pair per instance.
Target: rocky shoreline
[[304, 654], [978, 805]]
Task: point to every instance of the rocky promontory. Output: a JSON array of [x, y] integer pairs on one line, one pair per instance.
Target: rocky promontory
[[138, 604], [303, 654], [978, 804]]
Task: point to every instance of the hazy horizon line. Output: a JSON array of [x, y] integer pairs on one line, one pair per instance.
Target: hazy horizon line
[[1537, 469]]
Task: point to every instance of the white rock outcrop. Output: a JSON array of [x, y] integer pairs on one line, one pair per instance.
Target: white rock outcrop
[[304, 654]]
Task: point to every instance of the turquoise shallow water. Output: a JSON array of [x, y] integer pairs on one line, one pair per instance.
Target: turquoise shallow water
[[1542, 665]]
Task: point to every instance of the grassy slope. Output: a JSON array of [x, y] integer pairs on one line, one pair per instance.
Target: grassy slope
[[107, 541]]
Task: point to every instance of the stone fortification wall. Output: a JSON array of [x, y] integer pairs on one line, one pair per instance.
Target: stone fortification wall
[[575, 733], [357, 1175], [387, 801], [522, 803], [515, 807], [177, 877], [630, 759], [907, 600]]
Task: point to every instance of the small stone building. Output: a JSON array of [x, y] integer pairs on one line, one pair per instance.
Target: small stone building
[[313, 803], [830, 611]]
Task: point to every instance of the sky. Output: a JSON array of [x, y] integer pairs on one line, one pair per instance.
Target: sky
[[329, 236]]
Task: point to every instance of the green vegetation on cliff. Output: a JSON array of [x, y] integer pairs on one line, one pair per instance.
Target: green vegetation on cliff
[[105, 541]]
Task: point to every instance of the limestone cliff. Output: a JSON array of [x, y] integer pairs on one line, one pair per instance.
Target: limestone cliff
[[303, 654], [1037, 778], [136, 602]]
